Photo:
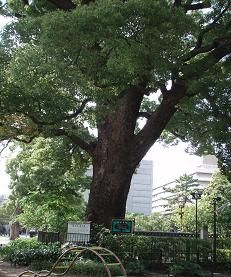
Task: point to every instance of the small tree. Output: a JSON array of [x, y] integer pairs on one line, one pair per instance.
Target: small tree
[[181, 192], [44, 185]]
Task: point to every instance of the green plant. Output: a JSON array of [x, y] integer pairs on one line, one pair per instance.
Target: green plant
[[26, 251], [224, 258], [134, 267], [186, 269], [92, 268]]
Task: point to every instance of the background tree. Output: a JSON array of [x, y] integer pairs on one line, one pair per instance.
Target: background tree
[[70, 66], [154, 222], [219, 186], [181, 192], [47, 180]]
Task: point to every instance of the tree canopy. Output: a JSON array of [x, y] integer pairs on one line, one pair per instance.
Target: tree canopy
[[69, 67]]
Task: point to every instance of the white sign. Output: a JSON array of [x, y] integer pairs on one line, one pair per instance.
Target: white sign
[[79, 227], [78, 232]]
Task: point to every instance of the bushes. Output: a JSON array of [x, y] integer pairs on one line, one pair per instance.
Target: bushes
[[224, 258], [87, 267], [186, 269], [155, 249], [27, 251]]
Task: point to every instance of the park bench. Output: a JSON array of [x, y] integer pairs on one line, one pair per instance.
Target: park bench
[[72, 255]]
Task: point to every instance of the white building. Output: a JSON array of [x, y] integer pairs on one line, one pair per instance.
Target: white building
[[203, 174], [140, 193]]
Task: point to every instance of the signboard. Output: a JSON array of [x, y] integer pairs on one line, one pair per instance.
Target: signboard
[[79, 227], [78, 231], [122, 226]]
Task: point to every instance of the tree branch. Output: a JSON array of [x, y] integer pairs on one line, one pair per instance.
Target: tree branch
[[177, 3], [68, 117], [198, 6], [27, 141], [65, 5], [25, 2], [144, 114], [194, 70], [79, 110], [5, 146], [210, 27], [88, 147]]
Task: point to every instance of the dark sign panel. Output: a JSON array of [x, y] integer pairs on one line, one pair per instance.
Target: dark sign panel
[[122, 226]]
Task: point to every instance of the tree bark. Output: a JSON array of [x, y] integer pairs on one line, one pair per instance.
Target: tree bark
[[119, 151], [14, 230], [112, 167]]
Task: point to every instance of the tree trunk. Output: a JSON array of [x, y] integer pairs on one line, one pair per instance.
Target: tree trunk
[[119, 151], [15, 226], [109, 190], [14, 230], [112, 164]]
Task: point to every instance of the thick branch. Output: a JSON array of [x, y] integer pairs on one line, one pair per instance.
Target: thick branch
[[158, 121], [177, 3], [198, 6], [144, 114], [65, 5], [88, 147], [196, 69]]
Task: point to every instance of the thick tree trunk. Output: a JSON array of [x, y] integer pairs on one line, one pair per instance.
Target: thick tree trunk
[[112, 164], [109, 189], [119, 151]]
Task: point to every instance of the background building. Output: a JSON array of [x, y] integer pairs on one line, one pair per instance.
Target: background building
[[140, 193], [203, 175]]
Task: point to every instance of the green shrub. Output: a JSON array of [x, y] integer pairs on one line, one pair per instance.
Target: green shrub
[[186, 269], [224, 258], [92, 268], [155, 250], [26, 251]]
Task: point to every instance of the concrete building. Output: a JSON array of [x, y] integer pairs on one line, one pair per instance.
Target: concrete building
[[203, 174], [140, 193]]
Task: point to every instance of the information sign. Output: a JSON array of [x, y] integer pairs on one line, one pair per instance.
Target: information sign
[[122, 226], [78, 231]]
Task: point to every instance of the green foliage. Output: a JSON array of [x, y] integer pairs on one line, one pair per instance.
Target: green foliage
[[154, 222], [47, 181], [182, 190], [219, 186], [224, 258], [86, 267], [186, 269], [26, 251], [153, 250]]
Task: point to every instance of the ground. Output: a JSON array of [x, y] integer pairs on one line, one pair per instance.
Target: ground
[[8, 270]]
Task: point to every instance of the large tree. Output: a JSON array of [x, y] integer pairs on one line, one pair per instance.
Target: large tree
[[69, 67]]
